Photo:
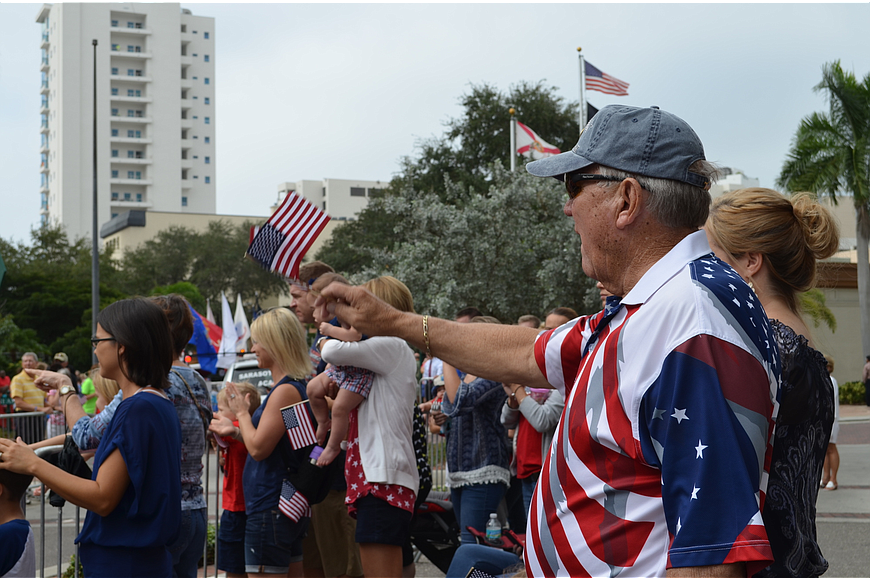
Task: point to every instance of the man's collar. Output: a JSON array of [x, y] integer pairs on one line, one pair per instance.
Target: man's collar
[[688, 249]]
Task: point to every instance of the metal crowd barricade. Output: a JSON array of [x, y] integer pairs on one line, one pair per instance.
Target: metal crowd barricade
[[29, 426]]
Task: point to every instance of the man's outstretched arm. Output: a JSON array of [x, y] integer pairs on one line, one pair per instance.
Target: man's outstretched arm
[[493, 351]]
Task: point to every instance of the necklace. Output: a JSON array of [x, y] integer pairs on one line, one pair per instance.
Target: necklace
[[150, 389]]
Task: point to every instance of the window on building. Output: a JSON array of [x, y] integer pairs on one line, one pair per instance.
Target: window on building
[[131, 175], [196, 156], [138, 92], [207, 159], [138, 25], [131, 72], [194, 31], [114, 196], [196, 137], [184, 28], [114, 152], [131, 25], [195, 97], [376, 192], [194, 78], [114, 91], [139, 197], [114, 132], [127, 196], [205, 35], [358, 191], [194, 54], [208, 139], [207, 179], [114, 70], [131, 133], [138, 72], [183, 201], [205, 57], [130, 47], [116, 47], [195, 117], [114, 112], [131, 154], [131, 93], [207, 81], [138, 49], [114, 215], [131, 113], [140, 114], [207, 100], [114, 23], [207, 120], [138, 134], [196, 176], [114, 173]]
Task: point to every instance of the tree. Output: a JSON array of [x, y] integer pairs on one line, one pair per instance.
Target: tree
[[14, 342], [48, 289], [212, 261], [463, 156], [830, 154], [481, 136], [509, 252]]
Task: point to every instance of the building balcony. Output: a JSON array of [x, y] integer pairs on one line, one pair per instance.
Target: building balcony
[[187, 123], [135, 120], [43, 189], [186, 60], [130, 204], [186, 83], [186, 183], [43, 148], [126, 99], [118, 30], [187, 163], [134, 140], [43, 168], [44, 65], [125, 53], [44, 129], [43, 211], [43, 109], [129, 161], [125, 181], [130, 78], [44, 88]]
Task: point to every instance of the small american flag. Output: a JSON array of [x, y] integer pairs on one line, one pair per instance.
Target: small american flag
[[281, 243], [300, 429], [292, 503], [604, 83]]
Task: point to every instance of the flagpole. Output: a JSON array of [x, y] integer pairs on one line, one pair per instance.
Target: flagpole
[[513, 140], [582, 115]]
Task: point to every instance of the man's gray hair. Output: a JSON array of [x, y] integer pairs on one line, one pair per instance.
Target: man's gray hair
[[675, 204], [33, 354]]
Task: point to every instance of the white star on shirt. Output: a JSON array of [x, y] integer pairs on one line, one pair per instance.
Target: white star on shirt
[[353, 486], [401, 490], [679, 415], [356, 463], [407, 504], [390, 497], [750, 304], [733, 287], [700, 449], [736, 301], [707, 276], [679, 524], [375, 487], [695, 491], [658, 413], [709, 269]]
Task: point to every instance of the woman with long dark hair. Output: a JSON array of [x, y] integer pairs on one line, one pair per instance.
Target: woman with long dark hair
[[133, 496]]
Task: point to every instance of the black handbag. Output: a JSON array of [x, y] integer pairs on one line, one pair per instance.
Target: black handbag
[[70, 460]]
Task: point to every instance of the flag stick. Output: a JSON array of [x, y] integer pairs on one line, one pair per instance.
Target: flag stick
[[513, 140], [583, 119]]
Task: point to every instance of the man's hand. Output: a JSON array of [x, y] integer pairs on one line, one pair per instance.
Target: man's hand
[[359, 308]]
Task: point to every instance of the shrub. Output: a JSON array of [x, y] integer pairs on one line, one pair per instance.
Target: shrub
[[852, 393]]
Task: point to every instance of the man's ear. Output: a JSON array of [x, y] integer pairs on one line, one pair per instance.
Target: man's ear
[[633, 201]]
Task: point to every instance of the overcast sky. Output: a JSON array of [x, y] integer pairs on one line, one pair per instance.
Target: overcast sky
[[307, 91]]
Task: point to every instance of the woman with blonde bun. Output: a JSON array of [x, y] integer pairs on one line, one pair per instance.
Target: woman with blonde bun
[[774, 242]]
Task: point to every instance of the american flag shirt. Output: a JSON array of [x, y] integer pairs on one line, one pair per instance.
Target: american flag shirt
[[661, 455]]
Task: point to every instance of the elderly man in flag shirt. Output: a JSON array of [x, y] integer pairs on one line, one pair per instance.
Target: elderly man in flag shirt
[[658, 464]]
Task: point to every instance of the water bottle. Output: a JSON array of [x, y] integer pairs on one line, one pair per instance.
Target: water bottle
[[493, 529]]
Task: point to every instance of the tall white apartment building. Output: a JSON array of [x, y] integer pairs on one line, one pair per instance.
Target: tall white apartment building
[[155, 94]]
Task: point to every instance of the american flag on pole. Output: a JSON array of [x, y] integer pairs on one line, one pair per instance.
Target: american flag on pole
[[285, 237], [300, 429], [292, 503], [603, 82]]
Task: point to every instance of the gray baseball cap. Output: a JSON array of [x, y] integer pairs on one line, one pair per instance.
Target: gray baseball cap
[[643, 141]]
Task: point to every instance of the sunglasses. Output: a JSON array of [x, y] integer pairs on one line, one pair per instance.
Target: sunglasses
[[574, 181], [95, 340]]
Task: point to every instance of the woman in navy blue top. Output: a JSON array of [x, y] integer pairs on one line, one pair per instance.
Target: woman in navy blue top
[[133, 497], [273, 541]]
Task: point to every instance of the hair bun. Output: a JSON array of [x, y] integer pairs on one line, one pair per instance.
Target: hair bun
[[821, 231]]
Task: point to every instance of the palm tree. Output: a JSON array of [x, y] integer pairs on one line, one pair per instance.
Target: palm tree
[[830, 154]]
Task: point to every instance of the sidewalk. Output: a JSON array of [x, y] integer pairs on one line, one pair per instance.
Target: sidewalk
[[851, 413], [843, 515]]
